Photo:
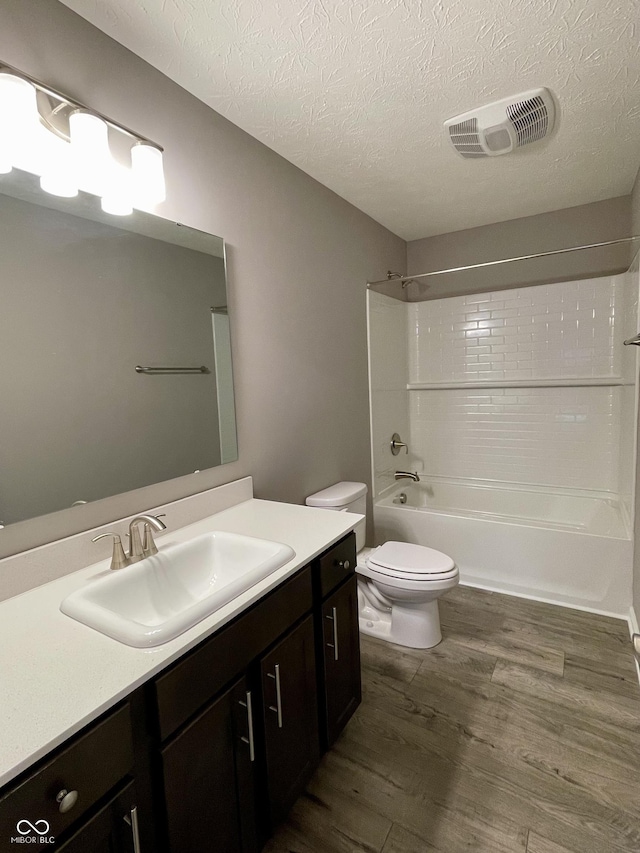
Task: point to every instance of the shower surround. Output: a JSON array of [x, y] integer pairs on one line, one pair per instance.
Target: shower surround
[[519, 408]]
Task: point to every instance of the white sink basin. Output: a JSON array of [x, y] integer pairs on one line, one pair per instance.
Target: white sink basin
[[160, 597]]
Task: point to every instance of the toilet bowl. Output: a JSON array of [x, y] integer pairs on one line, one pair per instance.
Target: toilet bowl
[[398, 583], [398, 589]]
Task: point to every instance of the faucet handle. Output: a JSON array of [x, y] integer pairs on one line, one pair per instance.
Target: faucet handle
[[118, 558], [396, 443]]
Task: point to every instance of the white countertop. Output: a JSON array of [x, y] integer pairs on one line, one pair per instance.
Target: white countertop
[[57, 675]]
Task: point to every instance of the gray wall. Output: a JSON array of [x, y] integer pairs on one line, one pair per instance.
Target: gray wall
[[82, 304], [635, 208], [635, 229], [298, 260], [575, 226]]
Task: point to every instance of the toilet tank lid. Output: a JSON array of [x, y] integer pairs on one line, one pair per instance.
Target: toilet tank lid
[[340, 494]]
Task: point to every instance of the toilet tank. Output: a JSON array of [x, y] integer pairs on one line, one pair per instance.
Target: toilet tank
[[345, 497]]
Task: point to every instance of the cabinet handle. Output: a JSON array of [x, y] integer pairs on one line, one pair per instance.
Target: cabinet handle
[[66, 800], [249, 740], [344, 564], [132, 820], [334, 618], [278, 708]]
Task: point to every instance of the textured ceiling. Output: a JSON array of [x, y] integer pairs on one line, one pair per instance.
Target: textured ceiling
[[355, 92]]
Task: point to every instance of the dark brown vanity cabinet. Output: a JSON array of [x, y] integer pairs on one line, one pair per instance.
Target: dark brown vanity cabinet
[[341, 654], [338, 638], [290, 708], [221, 743], [73, 794], [238, 722], [208, 779], [114, 829]]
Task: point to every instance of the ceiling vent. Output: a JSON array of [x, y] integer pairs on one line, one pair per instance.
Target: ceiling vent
[[502, 126]]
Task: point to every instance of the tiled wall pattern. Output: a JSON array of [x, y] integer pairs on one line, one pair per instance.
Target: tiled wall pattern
[[550, 331], [387, 320], [629, 370], [630, 327], [553, 436], [576, 437]]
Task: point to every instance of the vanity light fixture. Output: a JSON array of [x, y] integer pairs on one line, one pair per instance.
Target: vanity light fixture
[[71, 147]]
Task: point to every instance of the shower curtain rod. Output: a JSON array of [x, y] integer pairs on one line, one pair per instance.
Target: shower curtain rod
[[406, 278]]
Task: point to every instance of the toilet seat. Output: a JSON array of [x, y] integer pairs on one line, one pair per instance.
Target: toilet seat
[[408, 560], [407, 566], [417, 582]]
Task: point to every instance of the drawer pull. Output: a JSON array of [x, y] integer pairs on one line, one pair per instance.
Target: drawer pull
[[344, 564], [249, 740], [334, 618], [66, 800], [132, 820], [278, 708]]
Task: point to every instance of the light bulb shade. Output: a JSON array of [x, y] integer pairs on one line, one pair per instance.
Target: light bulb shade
[[18, 99], [116, 205], [148, 175], [90, 150], [59, 185], [33, 139], [117, 198], [58, 169], [19, 138]]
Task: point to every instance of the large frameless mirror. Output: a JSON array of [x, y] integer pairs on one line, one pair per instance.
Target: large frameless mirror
[[115, 351]]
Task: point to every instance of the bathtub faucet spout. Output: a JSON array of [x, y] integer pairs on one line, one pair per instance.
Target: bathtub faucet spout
[[407, 475]]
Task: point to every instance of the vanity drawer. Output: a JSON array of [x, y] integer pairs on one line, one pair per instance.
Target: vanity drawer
[[91, 765], [336, 565], [199, 676]]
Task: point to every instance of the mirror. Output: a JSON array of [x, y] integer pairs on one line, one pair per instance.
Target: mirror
[[86, 299]]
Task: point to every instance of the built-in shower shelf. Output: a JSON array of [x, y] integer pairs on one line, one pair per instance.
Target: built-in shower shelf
[[563, 382]]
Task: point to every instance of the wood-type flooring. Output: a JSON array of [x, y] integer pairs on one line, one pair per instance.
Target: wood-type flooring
[[519, 733]]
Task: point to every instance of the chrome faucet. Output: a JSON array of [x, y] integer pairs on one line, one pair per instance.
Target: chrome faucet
[[140, 548], [407, 475]]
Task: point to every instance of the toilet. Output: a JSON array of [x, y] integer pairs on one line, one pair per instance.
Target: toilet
[[399, 584]]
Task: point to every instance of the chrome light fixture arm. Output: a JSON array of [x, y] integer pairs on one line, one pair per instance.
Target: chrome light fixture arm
[[64, 101]]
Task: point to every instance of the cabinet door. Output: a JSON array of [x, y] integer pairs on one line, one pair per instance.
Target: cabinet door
[[208, 779], [290, 710], [112, 830], [91, 765], [341, 645]]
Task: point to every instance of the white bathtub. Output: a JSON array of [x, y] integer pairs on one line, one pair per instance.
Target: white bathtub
[[566, 547]]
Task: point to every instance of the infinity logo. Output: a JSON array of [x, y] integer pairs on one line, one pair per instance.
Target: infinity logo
[[41, 827]]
